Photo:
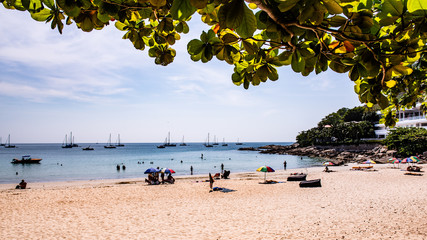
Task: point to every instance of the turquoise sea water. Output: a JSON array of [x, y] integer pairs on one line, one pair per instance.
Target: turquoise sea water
[[69, 164]]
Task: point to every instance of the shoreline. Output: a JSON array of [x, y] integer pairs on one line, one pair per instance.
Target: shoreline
[[282, 174], [350, 204]]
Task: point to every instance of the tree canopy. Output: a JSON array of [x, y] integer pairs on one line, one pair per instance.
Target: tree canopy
[[381, 44], [346, 126]]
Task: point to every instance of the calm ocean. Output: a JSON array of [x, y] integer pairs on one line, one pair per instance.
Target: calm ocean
[[70, 164]]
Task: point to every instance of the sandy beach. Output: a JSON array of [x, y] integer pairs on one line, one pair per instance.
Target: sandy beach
[[381, 204]]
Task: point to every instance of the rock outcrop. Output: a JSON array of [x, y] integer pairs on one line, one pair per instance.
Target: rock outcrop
[[336, 154]]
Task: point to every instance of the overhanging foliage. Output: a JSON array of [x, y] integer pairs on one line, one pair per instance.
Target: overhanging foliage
[[380, 44]]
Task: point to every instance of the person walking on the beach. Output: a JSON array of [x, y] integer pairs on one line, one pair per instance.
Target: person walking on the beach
[[284, 165], [222, 168], [191, 170]]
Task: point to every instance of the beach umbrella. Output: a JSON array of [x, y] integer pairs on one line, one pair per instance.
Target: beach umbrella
[[391, 160], [369, 162], [151, 170], [265, 169], [396, 161], [167, 170], [211, 181], [328, 164], [414, 159], [407, 160]]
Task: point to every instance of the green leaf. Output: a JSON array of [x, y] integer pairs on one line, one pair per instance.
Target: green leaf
[[195, 47], [286, 5], [158, 3], [32, 5], [383, 102], [393, 7], [121, 26], [236, 77], [387, 21], [69, 7], [298, 62], [248, 24], [231, 15], [41, 16], [250, 47], [414, 5], [354, 73], [273, 75], [49, 3], [332, 6], [337, 21], [199, 4], [229, 38], [182, 9], [105, 18]]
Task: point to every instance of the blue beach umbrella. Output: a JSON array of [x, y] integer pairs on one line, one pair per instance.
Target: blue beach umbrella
[[151, 170]]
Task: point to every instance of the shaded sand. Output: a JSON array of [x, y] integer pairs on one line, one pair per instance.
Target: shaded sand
[[382, 204]]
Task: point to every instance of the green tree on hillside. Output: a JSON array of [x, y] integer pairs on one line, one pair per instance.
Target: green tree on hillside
[[346, 126], [407, 141], [381, 44]]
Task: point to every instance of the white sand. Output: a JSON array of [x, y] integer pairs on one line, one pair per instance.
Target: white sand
[[382, 204]]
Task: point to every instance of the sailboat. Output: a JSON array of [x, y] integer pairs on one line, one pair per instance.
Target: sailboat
[[109, 145], [118, 142], [70, 144], [215, 142], [183, 143], [7, 144], [207, 143], [65, 144], [163, 145], [238, 143], [168, 143], [223, 143], [73, 144]]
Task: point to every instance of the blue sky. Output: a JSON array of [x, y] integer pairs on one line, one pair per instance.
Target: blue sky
[[96, 83]]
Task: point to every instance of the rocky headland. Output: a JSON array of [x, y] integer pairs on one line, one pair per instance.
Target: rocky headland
[[337, 154]]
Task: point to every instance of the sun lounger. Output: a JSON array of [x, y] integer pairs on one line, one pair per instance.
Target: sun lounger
[[297, 177], [413, 174], [310, 183], [361, 167]]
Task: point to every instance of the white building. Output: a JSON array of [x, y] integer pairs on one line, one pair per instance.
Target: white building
[[407, 118]]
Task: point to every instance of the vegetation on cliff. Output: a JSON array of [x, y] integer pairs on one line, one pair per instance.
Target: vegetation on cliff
[[407, 141], [346, 126]]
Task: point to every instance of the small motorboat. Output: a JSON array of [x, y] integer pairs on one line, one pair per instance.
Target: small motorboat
[[310, 183], [26, 159], [88, 148]]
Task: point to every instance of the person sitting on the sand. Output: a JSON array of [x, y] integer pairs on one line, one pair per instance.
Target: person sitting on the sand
[[22, 185], [170, 179], [326, 169], [152, 180]]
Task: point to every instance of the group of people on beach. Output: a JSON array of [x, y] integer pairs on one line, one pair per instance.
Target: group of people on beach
[[153, 178]]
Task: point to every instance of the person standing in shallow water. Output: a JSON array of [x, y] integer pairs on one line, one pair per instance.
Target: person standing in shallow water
[[191, 170], [284, 165]]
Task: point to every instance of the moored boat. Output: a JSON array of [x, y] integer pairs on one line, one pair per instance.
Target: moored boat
[[26, 159], [88, 148], [109, 145], [8, 145]]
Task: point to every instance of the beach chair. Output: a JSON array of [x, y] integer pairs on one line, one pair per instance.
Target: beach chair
[[297, 177]]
